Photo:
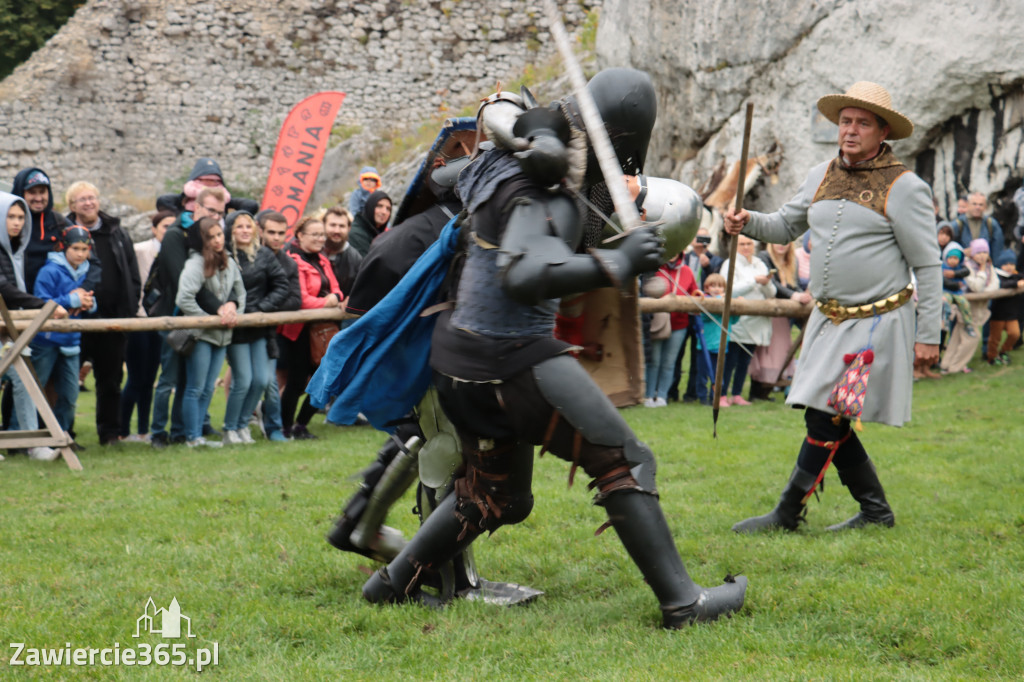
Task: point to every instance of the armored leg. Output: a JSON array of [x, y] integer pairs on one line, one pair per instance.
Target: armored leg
[[590, 432], [495, 491], [640, 524], [393, 475]]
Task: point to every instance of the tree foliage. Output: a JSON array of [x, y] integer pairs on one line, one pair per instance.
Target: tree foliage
[[26, 24]]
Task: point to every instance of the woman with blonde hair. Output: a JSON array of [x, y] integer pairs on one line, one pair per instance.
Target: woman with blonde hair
[[266, 287], [781, 261]]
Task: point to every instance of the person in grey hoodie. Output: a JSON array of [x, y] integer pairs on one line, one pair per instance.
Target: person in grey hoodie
[[13, 244], [212, 269]]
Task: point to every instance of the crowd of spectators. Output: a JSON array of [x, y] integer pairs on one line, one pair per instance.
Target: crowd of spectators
[[209, 254], [214, 254]]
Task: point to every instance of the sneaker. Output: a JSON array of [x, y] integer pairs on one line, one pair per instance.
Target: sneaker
[[43, 454], [158, 441], [202, 443], [967, 370], [300, 432], [1, 458], [244, 434], [1004, 358], [232, 437], [660, 402], [257, 416], [135, 438], [278, 437], [210, 431], [648, 402], [738, 400], [722, 402], [178, 440]]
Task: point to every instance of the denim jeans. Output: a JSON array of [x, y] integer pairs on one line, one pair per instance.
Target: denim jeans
[[272, 401], [203, 367], [49, 362], [23, 417], [249, 376], [171, 367], [663, 360]]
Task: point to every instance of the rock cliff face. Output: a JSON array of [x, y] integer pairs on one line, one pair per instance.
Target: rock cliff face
[[129, 93], [955, 68]]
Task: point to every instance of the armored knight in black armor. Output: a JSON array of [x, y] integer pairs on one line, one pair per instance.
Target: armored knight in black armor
[[503, 379]]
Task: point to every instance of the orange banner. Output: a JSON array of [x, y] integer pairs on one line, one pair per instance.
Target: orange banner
[[299, 153]]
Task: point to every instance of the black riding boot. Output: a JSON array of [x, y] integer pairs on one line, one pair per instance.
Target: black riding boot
[[862, 480], [444, 534], [788, 512], [640, 524]]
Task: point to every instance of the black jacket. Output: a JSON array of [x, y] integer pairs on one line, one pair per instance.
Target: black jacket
[[169, 264], [42, 230], [119, 288], [291, 271], [266, 289]]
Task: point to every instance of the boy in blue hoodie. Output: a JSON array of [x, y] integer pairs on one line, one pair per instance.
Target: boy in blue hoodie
[[56, 354]]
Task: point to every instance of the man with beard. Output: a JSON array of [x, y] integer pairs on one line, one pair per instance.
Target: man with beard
[[344, 258]]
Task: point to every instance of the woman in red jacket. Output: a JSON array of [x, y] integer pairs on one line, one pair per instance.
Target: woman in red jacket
[[319, 290]]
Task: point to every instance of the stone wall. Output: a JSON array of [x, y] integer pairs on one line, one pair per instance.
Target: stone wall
[[956, 68], [129, 93]]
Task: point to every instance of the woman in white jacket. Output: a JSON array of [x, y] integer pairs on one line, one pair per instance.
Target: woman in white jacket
[[752, 282], [213, 269]]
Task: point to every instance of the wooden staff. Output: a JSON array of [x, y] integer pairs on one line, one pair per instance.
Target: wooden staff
[[723, 338]]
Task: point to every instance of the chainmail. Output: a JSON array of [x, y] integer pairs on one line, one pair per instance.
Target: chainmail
[[593, 224]]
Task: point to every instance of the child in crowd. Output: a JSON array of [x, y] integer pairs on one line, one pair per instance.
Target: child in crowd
[[56, 354], [954, 284], [982, 278], [714, 287], [954, 272], [1005, 312], [677, 280], [12, 287]]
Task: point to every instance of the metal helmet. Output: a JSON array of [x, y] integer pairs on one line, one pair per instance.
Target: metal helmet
[[628, 105]]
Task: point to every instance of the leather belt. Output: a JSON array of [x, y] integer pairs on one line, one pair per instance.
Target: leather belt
[[840, 313]]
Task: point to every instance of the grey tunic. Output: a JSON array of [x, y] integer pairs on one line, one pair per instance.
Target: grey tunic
[[859, 256]]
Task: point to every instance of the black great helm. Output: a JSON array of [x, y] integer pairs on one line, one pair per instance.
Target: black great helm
[[628, 105]]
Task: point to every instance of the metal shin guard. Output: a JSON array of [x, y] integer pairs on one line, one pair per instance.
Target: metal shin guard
[[640, 524], [384, 482], [459, 578], [788, 513], [862, 480], [444, 534]]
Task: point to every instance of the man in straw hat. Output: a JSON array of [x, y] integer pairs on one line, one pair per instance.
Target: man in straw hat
[[871, 222]]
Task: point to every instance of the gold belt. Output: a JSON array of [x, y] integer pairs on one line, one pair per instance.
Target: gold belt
[[840, 313]]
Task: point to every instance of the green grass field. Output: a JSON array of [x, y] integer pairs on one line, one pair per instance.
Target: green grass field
[[236, 536]]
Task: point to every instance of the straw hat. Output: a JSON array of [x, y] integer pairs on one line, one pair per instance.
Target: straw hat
[[874, 98]]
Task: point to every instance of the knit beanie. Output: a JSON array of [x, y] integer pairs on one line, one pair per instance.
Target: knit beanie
[[979, 246]]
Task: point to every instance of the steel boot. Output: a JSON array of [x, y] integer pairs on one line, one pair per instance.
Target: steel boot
[[640, 524]]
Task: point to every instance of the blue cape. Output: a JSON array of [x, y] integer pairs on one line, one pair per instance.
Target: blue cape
[[380, 365]]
